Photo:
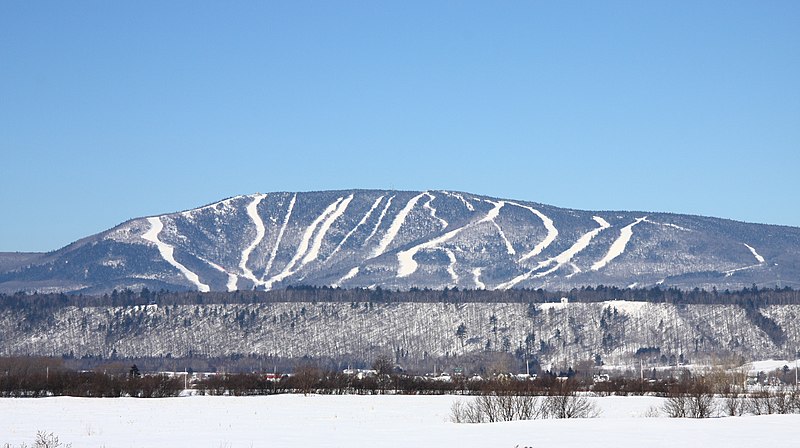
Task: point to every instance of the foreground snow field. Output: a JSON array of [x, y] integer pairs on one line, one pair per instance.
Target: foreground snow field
[[345, 421]]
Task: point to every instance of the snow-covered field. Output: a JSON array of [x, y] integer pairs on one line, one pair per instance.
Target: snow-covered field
[[380, 421]]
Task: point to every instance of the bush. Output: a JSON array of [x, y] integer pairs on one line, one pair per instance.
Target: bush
[[43, 440], [691, 399], [562, 402], [499, 408]]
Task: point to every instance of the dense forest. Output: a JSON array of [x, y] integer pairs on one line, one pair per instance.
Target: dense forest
[[420, 329], [748, 297]]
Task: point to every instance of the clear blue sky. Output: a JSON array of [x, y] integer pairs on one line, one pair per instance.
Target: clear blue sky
[[114, 110]]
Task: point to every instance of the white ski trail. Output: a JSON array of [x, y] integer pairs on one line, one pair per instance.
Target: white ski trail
[[730, 272], [252, 212], [380, 220], [233, 279], [432, 211], [313, 253], [394, 228], [575, 270], [350, 274], [668, 224], [302, 248], [469, 206], [561, 259], [168, 252], [360, 223], [407, 264], [224, 202], [618, 246], [552, 232], [451, 269], [490, 217], [476, 275], [759, 258], [280, 236]]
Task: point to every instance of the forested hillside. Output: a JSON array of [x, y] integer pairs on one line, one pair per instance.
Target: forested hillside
[[601, 325]]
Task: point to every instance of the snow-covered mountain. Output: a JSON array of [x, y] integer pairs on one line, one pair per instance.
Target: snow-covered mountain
[[404, 239]]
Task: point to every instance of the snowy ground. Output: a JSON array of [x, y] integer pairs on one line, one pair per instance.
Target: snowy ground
[[384, 421]]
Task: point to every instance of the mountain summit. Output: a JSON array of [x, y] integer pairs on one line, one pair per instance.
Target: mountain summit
[[402, 239]]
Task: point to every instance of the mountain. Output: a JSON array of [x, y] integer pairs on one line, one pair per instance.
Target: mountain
[[403, 239]]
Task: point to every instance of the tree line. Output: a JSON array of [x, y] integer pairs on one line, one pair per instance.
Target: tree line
[[753, 297]]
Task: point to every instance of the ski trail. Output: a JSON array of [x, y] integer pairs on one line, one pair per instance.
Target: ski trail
[[302, 248], [476, 275], [461, 198], [394, 228], [575, 270], [451, 269], [252, 212], [618, 246], [561, 259], [408, 266], [350, 274], [509, 248], [380, 219], [668, 224], [730, 272], [225, 202], [280, 237], [313, 253], [360, 223], [759, 258], [168, 252], [432, 211], [233, 279], [552, 232], [490, 217]]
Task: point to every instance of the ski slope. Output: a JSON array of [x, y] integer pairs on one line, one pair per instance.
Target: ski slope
[[168, 252]]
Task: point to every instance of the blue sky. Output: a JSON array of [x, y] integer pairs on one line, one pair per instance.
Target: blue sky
[[114, 110]]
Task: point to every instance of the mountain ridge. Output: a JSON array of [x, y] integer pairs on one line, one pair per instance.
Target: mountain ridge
[[402, 239]]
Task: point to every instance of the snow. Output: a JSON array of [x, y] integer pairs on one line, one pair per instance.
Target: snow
[[432, 211], [360, 223], [769, 365], [626, 306], [730, 272], [618, 246], [552, 232], [224, 203], [380, 220], [476, 275], [302, 248], [490, 217], [280, 235], [451, 269], [394, 228], [667, 224], [466, 203], [168, 252], [759, 258], [350, 274], [562, 258], [406, 263], [388, 421], [252, 212], [233, 279], [313, 253]]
